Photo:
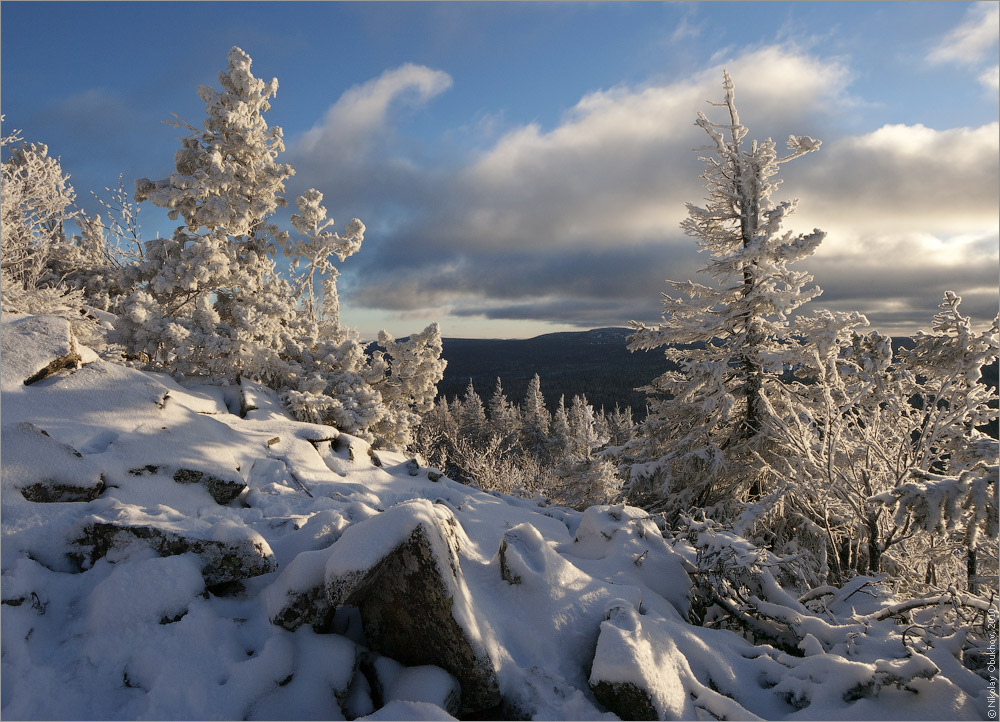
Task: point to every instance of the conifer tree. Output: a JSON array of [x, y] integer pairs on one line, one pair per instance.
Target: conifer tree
[[209, 300], [409, 384], [709, 437], [471, 416], [504, 418], [535, 420], [560, 433]]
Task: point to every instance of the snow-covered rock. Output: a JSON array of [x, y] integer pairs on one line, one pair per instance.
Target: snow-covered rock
[[364, 590], [35, 347], [401, 569], [45, 470]]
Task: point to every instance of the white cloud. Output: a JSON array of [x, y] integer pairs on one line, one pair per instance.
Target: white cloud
[[971, 41], [991, 78], [362, 112], [685, 29], [619, 169], [905, 177], [579, 223]]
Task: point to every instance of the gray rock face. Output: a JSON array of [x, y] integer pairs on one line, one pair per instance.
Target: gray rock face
[[625, 699], [222, 561], [48, 492], [222, 490], [406, 602], [310, 606]]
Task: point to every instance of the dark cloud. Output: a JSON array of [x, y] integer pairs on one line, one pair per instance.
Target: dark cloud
[[579, 224]]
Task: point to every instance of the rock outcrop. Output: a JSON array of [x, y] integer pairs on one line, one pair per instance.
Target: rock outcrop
[[240, 556], [52, 346], [635, 672], [401, 570]]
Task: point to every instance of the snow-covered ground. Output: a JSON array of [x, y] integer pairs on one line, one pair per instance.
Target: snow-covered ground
[[182, 552]]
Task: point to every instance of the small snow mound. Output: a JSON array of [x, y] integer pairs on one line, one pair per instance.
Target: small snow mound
[[34, 347], [43, 469]]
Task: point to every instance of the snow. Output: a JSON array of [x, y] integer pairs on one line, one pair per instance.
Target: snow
[[557, 599]]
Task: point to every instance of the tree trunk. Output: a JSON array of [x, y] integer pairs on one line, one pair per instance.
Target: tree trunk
[[971, 569], [874, 546]]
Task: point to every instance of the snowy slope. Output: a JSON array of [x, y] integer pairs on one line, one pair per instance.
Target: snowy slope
[[145, 585]]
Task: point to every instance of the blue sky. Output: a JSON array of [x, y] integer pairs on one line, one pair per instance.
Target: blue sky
[[523, 167]]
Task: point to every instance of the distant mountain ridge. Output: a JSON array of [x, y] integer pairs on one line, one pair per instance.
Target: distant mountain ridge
[[595, 362]]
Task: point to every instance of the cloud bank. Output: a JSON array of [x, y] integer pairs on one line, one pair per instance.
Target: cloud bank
[[578, 223]]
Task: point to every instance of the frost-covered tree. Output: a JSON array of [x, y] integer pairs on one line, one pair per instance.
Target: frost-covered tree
[[709, 438], [42, 268], [585, 432], [870, 424], [437, 434], [315, 249], [581, 478], [560, 433], [36, 203], [210, 301], [408, 387], [939, 473], [535, 420], [621, 426], [504, 419], [471, 416]]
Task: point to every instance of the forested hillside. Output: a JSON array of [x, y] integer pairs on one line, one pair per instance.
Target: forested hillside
[[596, 363]]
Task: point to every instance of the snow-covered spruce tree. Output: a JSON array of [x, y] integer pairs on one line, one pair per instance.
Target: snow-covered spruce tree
[[209, 300], [434, 439], [708, 440], [535, 421], [471, 416], [409, 386], [580, 478], [504, 418]]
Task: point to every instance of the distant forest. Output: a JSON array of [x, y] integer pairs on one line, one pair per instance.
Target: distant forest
[[595, 363]]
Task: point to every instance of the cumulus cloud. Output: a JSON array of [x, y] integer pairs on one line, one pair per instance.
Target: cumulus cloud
[[578, 223], [899, 176], [971, 41]]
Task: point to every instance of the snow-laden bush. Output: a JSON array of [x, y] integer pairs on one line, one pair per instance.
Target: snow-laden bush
[[210, 300], [44, 270]]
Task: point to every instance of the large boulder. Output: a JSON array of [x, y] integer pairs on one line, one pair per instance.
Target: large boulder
[[401, 569]]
